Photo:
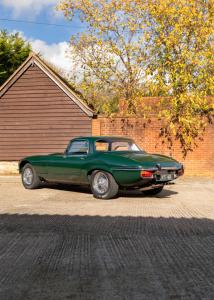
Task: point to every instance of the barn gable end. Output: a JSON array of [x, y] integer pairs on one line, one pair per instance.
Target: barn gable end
[[39, 113]]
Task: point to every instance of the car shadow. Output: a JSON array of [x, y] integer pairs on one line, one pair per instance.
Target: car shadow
[[122, 193], [138, 194], [68, 187]]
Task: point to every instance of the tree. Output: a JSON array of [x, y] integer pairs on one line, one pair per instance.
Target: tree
[[13, 52], [181, 64], [111, 51], [163, 48]]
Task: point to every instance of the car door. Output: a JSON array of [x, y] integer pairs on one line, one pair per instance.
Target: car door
[[70, 166]]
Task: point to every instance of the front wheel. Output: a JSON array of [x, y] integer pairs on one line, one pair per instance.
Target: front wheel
[[30, 179], [103, 185], [153, 191]]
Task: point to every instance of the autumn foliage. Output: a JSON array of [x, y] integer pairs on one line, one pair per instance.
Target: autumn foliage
[[131, 49]]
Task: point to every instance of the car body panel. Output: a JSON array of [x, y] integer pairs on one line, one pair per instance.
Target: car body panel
[[125, 166]]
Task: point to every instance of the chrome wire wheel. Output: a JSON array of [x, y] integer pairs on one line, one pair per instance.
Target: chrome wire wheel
[[101, 183], [28, 176]]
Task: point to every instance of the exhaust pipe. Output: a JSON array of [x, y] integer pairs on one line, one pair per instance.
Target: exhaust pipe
[[151, 187]]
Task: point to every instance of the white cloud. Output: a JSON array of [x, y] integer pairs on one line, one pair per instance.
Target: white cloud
[[56, 53], [32, 6], [59, 54]]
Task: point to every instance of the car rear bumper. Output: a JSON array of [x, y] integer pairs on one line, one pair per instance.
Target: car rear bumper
[[134, 177]]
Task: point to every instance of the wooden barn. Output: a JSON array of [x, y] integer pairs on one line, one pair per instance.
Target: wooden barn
[[39, 112]]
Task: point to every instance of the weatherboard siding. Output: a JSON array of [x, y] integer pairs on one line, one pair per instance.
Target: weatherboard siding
[[37, 117]]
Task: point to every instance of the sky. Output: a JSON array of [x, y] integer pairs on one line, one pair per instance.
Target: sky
[[51, 41]]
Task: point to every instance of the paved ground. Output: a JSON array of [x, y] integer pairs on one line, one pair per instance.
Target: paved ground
[[61, 243]]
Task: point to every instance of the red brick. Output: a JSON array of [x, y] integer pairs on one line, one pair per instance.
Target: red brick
[[199, 162]]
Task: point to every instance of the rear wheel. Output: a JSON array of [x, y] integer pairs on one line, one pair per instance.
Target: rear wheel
[[30, 179], [103, 185], [153, 191]]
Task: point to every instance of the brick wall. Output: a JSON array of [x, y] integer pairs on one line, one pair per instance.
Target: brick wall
[[199, 162]]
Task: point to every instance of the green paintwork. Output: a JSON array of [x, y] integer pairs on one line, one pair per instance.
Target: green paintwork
[[125, 166]]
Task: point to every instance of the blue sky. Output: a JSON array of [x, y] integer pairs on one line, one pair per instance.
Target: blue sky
[[50, 41]]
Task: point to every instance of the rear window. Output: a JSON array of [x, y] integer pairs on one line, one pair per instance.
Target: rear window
[[120, 146], [128, 145]]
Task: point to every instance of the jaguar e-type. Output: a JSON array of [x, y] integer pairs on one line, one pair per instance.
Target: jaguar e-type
[[107, 164]]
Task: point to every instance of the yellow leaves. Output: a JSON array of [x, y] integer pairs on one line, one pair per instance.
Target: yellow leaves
[[134, 48], [173, 129]]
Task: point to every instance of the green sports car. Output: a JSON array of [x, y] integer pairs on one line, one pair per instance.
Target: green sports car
[[104, 163]]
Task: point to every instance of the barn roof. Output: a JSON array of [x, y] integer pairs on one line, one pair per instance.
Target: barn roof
[[61, 82]]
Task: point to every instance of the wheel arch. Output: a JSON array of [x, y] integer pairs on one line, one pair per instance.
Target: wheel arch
[[99, 169], [22, 164], [104, 170]]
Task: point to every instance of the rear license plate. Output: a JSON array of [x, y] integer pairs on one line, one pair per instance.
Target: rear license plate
[[166, 177]]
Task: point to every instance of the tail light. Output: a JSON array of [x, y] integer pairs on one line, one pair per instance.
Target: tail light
[[146, 174], [181, 171]]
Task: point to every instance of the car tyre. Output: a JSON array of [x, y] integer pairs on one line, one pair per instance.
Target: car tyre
[[153, 191], [30, 179], [103, 185]]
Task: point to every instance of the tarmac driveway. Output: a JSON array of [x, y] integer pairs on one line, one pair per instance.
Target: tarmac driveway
[[61, 243]]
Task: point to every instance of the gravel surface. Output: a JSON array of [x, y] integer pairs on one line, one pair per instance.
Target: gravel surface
[[61, 243]]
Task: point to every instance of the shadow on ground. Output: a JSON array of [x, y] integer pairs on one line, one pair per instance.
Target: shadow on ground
[[122, 193], [92, 257]]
